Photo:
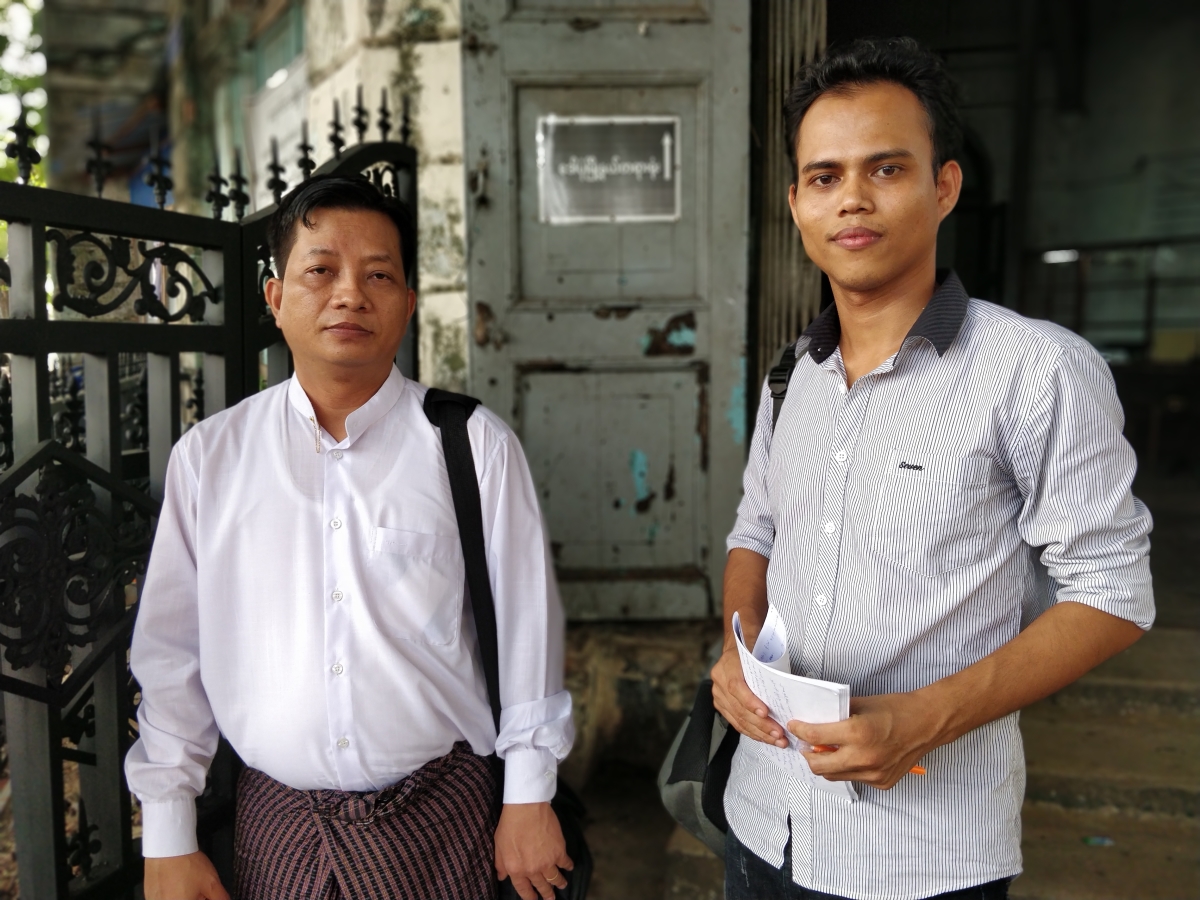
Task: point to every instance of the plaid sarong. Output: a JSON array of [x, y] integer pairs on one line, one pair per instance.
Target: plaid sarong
[[431, 835]]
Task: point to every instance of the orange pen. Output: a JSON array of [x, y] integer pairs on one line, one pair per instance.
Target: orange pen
[[829, 748]]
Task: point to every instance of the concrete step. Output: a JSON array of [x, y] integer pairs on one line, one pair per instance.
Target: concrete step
[[1149, 763], [1125, 736], [1160, 673], [1088, 854]]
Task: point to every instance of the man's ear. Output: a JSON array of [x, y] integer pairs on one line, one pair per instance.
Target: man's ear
[[412, 304], [273, 291], [949, 186]]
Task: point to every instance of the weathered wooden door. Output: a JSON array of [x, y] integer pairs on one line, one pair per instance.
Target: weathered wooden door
[[607, 149]]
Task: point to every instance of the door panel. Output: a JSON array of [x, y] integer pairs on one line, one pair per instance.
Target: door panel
[[615, 347], [601, 262]]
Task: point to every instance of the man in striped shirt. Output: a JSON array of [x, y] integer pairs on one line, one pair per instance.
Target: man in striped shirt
[[942, 516]]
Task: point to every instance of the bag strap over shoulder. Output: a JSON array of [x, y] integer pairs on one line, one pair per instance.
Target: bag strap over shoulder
[[450, 412], [781, 374]]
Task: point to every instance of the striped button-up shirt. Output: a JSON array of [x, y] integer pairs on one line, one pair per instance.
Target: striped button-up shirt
[[915, 522]]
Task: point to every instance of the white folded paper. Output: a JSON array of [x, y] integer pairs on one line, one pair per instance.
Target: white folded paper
[[790, 697]]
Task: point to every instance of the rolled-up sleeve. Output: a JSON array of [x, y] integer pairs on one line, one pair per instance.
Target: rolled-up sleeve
[[755, 526], [536, 731], [167, 766], [1074, 469]]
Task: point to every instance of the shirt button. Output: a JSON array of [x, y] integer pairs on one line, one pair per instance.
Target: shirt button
[[337, 454], [338, 669], [830, 527], [549, 775], [822, 600], [343, 743], [840, 456], [337, 596], [335, 524], [842, 388]]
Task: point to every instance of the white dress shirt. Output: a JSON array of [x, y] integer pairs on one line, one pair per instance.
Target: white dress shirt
[[305, 598]]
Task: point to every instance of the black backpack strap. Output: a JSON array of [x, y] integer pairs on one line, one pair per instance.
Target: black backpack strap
[[450, 412], [781, 374]]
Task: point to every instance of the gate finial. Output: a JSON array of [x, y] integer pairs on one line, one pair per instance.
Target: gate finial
[[275, 184], [26, 156], [385, 117], [405, 123], [237, 193], [157, 177], [360, 121], [217, 198], [98, 167], [335, 131], [305, 162]]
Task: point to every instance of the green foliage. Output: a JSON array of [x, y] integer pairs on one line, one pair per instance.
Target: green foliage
[[22, 73]]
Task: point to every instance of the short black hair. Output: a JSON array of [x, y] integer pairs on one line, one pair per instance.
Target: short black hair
[[867, 61], [338, 192]]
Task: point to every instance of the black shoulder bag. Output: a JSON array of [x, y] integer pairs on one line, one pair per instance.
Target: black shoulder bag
[[449, 412], [693, 777]]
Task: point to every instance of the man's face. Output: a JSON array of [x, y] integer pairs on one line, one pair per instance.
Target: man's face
[[866, 201], [342, 299]]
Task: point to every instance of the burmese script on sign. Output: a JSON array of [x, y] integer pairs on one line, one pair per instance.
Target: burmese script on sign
[[608, 169]]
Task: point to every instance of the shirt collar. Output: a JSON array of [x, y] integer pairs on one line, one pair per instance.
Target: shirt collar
[[365, 416], [939, 322]]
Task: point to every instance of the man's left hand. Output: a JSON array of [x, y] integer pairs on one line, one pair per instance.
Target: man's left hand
[[530, 850], [885, 736]]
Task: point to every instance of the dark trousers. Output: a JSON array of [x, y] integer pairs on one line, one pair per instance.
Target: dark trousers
[[747, 877]]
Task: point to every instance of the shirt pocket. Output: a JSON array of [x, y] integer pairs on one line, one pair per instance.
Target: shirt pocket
[[417, 584], [935, 513]]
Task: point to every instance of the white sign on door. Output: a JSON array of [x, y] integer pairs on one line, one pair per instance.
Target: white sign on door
[[608, 169]]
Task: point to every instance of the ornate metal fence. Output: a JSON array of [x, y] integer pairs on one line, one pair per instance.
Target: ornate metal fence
[[124, 325]]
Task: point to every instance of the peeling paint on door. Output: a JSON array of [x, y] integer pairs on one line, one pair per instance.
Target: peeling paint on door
[[676, 338], [639, 467], [735, 413]]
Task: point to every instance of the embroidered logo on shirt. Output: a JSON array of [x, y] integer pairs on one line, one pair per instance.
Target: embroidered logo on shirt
[[905, 465]]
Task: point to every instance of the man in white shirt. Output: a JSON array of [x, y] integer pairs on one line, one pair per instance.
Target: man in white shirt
[[305, 598]]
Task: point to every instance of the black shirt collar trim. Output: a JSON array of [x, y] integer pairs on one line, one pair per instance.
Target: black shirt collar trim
[[939, 322]]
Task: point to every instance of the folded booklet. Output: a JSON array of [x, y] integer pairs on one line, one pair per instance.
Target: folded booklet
[[790, 697]]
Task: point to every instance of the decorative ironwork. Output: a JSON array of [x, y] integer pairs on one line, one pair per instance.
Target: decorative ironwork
[[237, 192], [136, 415], [6, 421], [361, 121], [196, 401], [98, 167], [335, 132], [82, 847], [305, 164], [68, 422], [157, 177], [64, 566], [20, 149], [169, 263], [275, 184], [80, 720], [405, 123], [385, 117], [265, 273], [216, 198]]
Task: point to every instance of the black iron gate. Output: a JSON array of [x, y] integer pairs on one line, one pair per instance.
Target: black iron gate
[[123, 326]]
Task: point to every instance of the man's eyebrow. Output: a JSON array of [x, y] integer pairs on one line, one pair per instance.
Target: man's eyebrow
[[897, 152], [894, 153], [821, 164], [326, 251]]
